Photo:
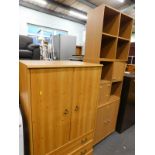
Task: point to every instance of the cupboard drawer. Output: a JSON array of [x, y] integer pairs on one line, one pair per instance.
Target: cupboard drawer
[[84, 150], [104, 95], [73, 145], [118, 71]]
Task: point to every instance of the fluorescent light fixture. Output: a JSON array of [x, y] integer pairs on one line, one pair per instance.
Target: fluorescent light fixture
[[76, 14], [43, 2], [122, 1]]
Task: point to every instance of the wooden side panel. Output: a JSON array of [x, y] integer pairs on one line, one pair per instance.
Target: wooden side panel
[[94, 33], [24, 89], [85, 97], [51, 104]]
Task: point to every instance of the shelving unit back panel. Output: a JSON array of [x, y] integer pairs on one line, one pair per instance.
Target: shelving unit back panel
[[111, 21], [125, 26], [107, 70], [123, 47], [108, 47]]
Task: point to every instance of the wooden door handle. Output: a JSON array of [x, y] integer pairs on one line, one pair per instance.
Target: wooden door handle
[[76, 108], [83, 152], [66, 112]]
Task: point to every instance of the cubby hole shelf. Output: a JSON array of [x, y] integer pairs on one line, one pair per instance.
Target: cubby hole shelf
[[107, 69], [111, 21], [116, 89], [125, 26], [123, 47], [108, 47]]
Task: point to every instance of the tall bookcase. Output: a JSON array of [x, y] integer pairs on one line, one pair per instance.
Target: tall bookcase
[[108, 34]]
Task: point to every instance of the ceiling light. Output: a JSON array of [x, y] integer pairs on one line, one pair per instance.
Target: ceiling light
[[43, 2], [122, 1], [79, 15]]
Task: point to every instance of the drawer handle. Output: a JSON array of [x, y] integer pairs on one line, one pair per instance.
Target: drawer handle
[[77, 108], [84, 140], [83, 152], [66, 112]]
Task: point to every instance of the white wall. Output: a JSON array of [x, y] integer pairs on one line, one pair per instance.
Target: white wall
[[34, 17]]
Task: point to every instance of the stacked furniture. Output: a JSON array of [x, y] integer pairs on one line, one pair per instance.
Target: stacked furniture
[[108, 36], [58, 99], [28, 50]]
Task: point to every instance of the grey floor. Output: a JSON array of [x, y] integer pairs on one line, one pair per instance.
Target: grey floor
[[117, 144]]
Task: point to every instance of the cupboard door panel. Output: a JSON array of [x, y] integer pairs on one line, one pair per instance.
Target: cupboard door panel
[[85, 97], [104, 93], [118, 71], [51, 105], [106, 120]]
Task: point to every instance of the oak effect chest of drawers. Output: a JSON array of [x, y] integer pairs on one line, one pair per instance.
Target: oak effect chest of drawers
[[59, 100]]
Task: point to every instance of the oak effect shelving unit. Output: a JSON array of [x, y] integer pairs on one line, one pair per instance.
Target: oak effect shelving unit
[[108, 36]]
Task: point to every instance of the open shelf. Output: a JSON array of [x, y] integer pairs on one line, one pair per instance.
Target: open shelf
[[108, 47], [125, 26], [107, 71], [111, 21], [123, 47], [116, 89]]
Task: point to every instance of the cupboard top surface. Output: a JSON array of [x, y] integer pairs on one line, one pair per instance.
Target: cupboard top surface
[[56, 64]]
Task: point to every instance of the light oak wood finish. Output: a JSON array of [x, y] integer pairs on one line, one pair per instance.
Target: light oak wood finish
[[49, 96], [111, 21], [84, 97], [73, 145], [105, 88], [83, 150], [123, 47], [107, 114], [118, 70], [110, 47]]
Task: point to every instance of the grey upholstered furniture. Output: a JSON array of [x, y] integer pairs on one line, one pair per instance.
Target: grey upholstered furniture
[[28, 50]]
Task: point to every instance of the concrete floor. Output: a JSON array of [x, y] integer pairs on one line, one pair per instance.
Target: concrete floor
[[117, 144]]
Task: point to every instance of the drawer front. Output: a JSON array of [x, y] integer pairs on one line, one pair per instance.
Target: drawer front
[[118, 70], [73, 145], [104, 93], [84, 150]]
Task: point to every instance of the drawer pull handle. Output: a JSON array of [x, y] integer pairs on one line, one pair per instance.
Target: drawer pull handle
[[84, 140], [66, 112], [83, 152], [77, 108]]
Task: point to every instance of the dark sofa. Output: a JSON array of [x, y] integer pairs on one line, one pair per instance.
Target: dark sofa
[[28, 50]]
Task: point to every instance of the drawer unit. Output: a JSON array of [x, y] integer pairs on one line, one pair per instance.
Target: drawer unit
[[105, 88], [84, 150], [106, 120], [73, 145]]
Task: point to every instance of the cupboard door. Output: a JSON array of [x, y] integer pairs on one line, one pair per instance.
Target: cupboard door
[[106, 120], [51, 91], [104, 93], [85, 97], [118, 71]]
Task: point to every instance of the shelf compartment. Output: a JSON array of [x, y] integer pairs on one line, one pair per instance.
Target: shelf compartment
[[106, 71], [125, 26], [111, 21], [123, 47], [116, 89], [108, 47]]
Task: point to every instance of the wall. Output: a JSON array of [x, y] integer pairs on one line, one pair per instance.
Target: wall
[[34, 17]]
